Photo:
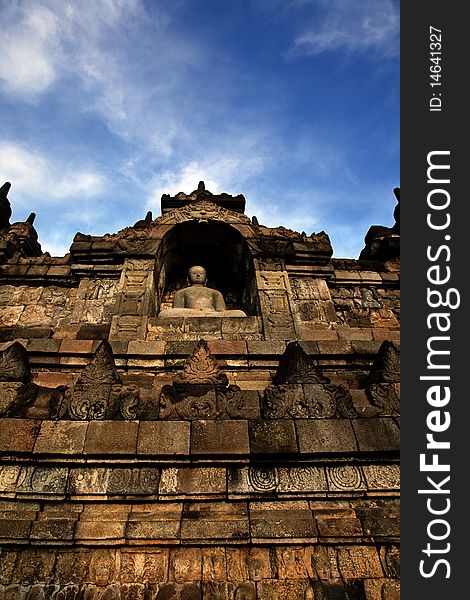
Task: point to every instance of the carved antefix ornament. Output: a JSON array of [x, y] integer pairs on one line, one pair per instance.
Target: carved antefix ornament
[[301, 391], [383, 389], [201, 391], [16, 390], [99, 393]]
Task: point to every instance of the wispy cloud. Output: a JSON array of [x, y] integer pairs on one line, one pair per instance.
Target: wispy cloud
[[45, 179], [352, 26], [26, 47], [115, 58]]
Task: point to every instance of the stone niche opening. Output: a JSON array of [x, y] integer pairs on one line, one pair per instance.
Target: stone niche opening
[[217, 247]]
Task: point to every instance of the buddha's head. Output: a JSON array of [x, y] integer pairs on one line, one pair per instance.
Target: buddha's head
[[197, 275]]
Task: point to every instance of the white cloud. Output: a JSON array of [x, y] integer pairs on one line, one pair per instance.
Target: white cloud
[[352, 26], [34, 175], [114, 58], [27, 49], [227, 174]]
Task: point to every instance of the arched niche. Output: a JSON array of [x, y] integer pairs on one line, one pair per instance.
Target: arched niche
[[221, 250]]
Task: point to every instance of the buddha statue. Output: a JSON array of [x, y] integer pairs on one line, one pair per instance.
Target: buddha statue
[[197, 300]]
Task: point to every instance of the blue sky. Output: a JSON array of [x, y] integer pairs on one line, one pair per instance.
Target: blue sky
[[107, 104]]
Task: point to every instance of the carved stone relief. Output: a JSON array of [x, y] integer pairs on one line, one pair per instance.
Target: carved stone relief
[[299, 390], [99, 392]]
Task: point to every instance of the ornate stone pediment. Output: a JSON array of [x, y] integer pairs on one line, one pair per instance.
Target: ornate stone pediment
[[16, 390], [383, 384], [99, 392], [386, 365], [299, 390], [201, 391], [296, 366], [235, 203], [202, 211]]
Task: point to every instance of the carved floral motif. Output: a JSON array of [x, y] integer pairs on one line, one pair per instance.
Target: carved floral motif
[[201, 367]]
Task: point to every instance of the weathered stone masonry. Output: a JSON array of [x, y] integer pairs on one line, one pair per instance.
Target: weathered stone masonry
[[247, 457]]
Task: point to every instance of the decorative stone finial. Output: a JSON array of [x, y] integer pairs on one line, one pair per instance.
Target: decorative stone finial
[[5, 206], [396, 212]]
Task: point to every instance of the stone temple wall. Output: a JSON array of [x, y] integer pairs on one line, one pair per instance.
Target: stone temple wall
[[186, 457]]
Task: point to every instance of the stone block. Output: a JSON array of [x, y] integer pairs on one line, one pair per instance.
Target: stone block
[[339, 528], [7, 565], [49, 530], [382, 477], [144, 567], [281, 520], [58, 271], [43, 481], [288, 589], [390, 557], [294, 562], [180, 348], [137, 481], [381, 522], [215, 521], [345, 478], [266, 347], [15, 530], [219, 437], [164, 438], [277, 436], [312, 332], [365, 347], [100, 531], [377, 434], [34, 566], [43, 345], [326, 436], [359, 562], [111, 437], [151, 348], [330, 347], [77, 346], [153, 531], [37, 270], [227, 347], [382, 589], [193, 481], [355, 333], [185, 565], [240, 327], [88, 481], [18, 435], [29, 333], [61, 437]]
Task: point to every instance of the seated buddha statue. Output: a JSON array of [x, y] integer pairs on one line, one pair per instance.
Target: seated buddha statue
[[197, 300]]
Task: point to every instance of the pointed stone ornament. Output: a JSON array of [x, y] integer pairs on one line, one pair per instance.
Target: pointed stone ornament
[[14, 364], [5, 206], [386, 366], [101, 369], [296, 366], [201, 367]]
